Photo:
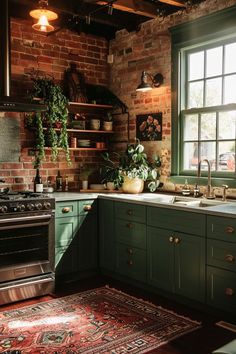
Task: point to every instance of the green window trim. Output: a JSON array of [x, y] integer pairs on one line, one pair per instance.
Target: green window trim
[[188, 35]]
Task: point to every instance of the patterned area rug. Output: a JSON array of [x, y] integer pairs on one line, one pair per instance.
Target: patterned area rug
[[97, 321]]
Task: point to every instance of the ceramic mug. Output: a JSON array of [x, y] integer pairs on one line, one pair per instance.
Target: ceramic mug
[[95, 124]]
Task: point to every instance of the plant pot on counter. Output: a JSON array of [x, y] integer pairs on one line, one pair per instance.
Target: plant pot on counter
[[132, 185]]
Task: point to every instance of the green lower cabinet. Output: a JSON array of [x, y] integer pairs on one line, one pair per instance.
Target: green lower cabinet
[[76, 242], [66, 245], [221, 289], [176, 263], [106, 235]]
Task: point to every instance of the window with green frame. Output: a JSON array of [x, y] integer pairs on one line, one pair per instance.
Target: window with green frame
[[204, 96]]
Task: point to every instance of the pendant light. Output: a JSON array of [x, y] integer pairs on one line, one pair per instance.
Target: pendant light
[[43, 15]]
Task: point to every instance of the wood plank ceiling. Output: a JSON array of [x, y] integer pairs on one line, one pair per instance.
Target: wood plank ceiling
[[103, 17]]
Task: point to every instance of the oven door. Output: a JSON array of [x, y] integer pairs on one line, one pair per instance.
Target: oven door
[[26, 246]]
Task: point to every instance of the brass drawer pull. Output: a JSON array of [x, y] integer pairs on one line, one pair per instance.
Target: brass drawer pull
[[66, 210], [229, 258], [130, 263], [229, 230], [87, 207], [229, 291], [130, 226], [177, 240], [171, 239], [130, 212], [129, 250]]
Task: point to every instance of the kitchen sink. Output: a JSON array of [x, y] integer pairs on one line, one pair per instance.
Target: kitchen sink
[[202, 203]]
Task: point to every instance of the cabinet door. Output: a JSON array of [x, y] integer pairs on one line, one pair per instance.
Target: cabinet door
[[106, 235], [160, 259], [190, 266], [66, 244], [87, 242]]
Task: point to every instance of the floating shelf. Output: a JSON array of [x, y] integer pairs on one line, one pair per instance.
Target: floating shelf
[[90, 105]]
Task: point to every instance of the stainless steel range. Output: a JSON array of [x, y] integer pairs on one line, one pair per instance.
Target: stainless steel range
[[27, 235]]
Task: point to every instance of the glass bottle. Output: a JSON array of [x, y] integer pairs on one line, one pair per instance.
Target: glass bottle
[[38, 185], [59, 182], [186, 189]]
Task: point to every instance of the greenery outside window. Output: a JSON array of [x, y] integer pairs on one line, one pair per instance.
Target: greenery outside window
[[204, 101]]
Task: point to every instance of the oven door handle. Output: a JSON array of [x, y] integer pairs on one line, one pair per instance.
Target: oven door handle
[[26, 221]]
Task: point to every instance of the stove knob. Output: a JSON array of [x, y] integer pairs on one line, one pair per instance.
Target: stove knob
[[3, 209], [38, 206], [20, 207], [30, 206], [47, 205]]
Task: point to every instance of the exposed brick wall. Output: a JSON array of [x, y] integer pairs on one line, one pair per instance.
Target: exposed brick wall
[[50, 55], [150, 50]]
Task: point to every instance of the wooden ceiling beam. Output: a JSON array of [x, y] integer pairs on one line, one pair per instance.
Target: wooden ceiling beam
[[134, 6], [178, 3]]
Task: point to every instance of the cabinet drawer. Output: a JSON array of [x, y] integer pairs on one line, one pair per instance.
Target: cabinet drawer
[[131, 233], [221, 289], [68, 208], [221, 254], [177, 220], [131, 212], [131, 262], [221, 228], [86, 206]]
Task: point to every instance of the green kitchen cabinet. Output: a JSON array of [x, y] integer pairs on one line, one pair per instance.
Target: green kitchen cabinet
[[87, 253], [131, 240], [221, 263], [106, 235], [75, 237], [176, 260]]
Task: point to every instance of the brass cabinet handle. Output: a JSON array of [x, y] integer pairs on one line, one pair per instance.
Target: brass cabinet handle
[[66, 210], [177, 240], [87, 207], [129, 250], [129, 225], [129, 262], [229, 291], [171, 239], [130, 212], [229, 258], [229, 230]]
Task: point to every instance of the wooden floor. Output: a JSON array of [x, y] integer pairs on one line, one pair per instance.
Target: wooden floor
[[203, 341]]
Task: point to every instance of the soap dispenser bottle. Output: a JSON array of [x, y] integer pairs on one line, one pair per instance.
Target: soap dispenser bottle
[[186, 189]]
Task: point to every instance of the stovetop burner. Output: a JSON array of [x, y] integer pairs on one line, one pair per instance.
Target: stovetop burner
[[21, 195]]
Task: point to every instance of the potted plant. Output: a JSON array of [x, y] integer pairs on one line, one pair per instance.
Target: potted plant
[[55, 116], [110, 172], [85, 171], [108, 122], [136, 169]]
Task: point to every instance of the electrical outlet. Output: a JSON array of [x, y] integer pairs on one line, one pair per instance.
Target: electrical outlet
[[110, 58]]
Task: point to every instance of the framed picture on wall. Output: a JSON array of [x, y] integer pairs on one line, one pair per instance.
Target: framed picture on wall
[[149, 126]]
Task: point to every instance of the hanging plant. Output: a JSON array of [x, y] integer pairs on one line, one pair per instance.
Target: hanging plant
[[56, 115]]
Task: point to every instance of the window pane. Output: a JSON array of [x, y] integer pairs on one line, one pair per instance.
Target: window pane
[[213, 92], [227, 123], [214, 62], [191, 127], [230, 58], [196, 66], [208, 126], [208, 151], [230, 91], [195, 94], [190, 156], [226, 158]]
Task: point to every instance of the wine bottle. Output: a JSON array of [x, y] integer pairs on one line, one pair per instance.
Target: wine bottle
[[59, 182], [38, 185]]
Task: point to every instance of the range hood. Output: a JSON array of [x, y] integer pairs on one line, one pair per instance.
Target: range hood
[[10, 103]]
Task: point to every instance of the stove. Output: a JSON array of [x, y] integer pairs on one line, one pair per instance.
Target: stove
[[25, 202], [27, 232]]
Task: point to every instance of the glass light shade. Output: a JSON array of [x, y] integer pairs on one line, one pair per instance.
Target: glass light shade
[[37, 13], [42, 25]]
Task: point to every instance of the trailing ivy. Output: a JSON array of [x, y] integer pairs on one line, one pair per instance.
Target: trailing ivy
[[56, 113]]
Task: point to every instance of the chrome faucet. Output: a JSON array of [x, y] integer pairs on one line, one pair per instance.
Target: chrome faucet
[[209, 192]]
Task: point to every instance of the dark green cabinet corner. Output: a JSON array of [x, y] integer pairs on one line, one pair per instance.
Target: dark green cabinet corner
[[106, 235]]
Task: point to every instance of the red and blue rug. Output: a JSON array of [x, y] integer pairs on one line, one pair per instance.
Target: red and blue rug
[[98, 321]]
